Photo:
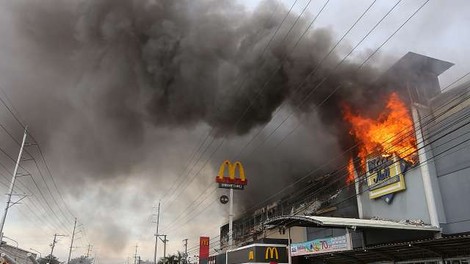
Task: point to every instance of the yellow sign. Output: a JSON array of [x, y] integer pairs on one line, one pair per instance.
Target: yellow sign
[[231, 182], [385, 176], [204, 241], [271, 253], [251, 255], [231, 170]]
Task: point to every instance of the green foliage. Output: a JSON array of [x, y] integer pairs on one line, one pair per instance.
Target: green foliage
[[173, 259], [48, 259], [81, 260]]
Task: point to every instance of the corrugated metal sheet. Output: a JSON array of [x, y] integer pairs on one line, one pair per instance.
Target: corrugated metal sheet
[[323, 221]]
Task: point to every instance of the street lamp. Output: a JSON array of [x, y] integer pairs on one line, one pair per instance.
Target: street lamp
[[40, 256]]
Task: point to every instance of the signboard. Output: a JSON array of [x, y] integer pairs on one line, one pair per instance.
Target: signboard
[[323, 245], [203, 249], [231, 182], [231, 186], [258, 253], [385, 176]]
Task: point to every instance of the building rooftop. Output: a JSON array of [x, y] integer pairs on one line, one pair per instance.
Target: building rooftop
[[338, 222]]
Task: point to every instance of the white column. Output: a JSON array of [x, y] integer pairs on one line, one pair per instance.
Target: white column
[[426, 176]]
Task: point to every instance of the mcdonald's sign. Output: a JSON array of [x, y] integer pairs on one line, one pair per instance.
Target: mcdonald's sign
[[251, 255], [203, 249], [231, 181], [259, 253], [271, 253]]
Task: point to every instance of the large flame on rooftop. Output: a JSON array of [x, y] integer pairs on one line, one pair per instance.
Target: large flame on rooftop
[[391, 133]]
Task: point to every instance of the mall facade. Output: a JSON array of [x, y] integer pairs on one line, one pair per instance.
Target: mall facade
[[396, 210]]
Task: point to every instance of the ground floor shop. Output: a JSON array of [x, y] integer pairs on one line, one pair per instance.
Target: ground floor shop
[[445, 250]]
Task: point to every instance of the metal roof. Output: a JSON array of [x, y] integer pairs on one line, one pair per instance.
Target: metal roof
[[446, 247], [323, 221], [415, 60]]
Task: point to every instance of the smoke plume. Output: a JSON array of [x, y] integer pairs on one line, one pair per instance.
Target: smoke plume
[[121, 87]]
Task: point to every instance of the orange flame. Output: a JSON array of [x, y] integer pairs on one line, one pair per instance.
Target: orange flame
[[351, 176], [391, 133]]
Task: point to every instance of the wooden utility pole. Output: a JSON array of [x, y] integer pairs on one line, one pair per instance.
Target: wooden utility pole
[[135, 255], [53, 245], [88, 250], [185, 250]]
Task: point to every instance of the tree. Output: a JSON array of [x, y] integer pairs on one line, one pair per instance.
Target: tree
[[81, 260], [49, 259], [172, 259]]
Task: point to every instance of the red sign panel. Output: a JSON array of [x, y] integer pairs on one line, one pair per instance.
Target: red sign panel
[[203, 249]]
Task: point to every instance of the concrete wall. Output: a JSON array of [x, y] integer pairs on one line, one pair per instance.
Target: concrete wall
[[409, 204], [297, 234], [451, 156], [447, 140]]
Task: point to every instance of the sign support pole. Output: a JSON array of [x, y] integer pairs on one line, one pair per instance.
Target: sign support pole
[[230, 221], [289, 260]]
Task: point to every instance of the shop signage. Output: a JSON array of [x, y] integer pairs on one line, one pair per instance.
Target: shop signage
[[259, 253], [385, 176], [323, 245], [203, 249]]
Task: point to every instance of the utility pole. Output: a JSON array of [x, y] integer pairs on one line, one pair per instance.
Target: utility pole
[[164, 246], [185, 250], [71, 242], [53, 245], [156, 235], [12, 186], [135, 255], [88, 250]]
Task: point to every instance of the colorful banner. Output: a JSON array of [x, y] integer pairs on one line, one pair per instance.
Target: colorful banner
[[323, 245], [203, 249]]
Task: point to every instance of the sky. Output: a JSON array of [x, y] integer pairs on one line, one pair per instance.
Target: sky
[[109, 165]]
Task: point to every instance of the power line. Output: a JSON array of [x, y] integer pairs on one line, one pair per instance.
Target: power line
[[245, 79], [411, 128], [354, 24], [35, 184], [344, 35], [299, 210]]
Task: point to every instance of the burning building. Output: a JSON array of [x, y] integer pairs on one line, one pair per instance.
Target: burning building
[[402, 195]]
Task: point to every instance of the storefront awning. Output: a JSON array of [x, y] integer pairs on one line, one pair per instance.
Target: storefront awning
[[436, 249], [339, 222]]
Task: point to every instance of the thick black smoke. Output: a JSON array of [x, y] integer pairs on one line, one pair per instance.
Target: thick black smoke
[[178, 63], [107, 84], [121, 65]]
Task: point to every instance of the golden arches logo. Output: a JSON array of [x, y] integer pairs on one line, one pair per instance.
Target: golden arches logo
[[251, 255], [204, 241], [271, 253], [232, 169]]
